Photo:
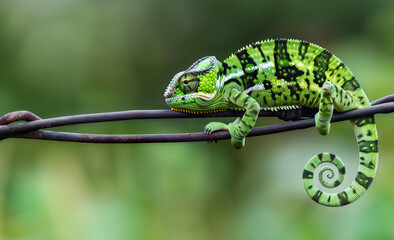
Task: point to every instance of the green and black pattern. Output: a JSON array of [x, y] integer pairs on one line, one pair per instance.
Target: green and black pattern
[[282, 74]]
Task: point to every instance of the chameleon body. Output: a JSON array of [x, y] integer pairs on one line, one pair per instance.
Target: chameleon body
[[282, 74]]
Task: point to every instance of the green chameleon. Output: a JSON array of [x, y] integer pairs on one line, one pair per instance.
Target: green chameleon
[[282, 74]]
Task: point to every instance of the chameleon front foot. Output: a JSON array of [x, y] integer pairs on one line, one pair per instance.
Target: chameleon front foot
[[214, 126], [236, 142]]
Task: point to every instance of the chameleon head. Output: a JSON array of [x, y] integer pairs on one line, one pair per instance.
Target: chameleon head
[[195, 88]]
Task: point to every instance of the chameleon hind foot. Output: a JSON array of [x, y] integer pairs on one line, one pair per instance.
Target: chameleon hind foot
[[236, 142], [326, 108], [322, 123]]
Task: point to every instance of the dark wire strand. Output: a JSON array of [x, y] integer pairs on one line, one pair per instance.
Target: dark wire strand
[[29, 130]]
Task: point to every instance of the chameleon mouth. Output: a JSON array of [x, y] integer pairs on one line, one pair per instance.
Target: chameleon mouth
[[201, 95]]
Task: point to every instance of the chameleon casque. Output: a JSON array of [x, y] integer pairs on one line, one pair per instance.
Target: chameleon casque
[[282, 74]]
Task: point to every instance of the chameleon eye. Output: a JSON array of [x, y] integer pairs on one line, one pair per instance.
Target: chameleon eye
[[188, 83], [174, 92]]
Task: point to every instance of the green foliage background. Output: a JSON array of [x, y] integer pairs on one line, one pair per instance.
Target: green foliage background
[[61, 57]]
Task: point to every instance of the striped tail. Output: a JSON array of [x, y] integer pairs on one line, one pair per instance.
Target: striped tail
[[367, 139]]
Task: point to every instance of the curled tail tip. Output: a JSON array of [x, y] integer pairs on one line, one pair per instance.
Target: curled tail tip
[[345, 197]]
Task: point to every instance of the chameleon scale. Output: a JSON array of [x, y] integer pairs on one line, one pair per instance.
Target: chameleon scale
[[281, 74]]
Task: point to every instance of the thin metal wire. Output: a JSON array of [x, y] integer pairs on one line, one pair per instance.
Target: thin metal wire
[[36, 123], [30, 130]]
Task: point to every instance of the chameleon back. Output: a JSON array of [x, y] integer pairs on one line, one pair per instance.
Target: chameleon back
[[286, 73]]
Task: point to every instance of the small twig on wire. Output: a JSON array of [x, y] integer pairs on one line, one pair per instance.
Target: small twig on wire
[[30, 129]]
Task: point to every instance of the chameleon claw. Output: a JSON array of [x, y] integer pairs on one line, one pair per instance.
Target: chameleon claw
[[214, 126], [212, 141]]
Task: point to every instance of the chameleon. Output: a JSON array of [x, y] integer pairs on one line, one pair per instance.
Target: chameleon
[[283, 74]]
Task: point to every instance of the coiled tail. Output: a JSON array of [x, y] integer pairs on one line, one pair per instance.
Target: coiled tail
[[367, 139]]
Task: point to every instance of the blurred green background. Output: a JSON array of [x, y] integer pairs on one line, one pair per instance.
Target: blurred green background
[[61, 57]]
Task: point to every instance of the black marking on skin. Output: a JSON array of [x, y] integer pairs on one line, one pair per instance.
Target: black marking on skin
[[363, 180], [313, 165], [234, 80], [242, 132], [225, 68], [229, 94], [336, 73], [283, 68], [368, 146], [351, 85], [370, 165], [354, 190], [254, 111], [337, 183], [258, 47], [273, 96], [236, 97], [339, 67], [303, 49], [264, 100], [361, 122], [320, 156], [247, 125], [295, 91], [343, 198], [329, 198], [369, 133], [246, 60], [342, 170], [321, 62], [267, 84], [317, 196], [248, 79], [332, 156], [308, 84], [244, 101]]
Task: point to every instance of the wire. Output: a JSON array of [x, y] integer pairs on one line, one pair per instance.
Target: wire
[[30, 130]]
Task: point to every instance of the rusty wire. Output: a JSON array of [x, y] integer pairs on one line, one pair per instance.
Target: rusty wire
[[31, 129]]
